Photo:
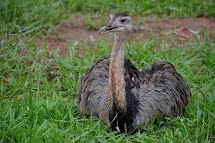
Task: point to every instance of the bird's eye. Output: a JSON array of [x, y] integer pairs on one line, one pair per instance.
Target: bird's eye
[[123, 20]]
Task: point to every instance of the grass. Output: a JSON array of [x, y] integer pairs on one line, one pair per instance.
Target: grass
[[38, 101], [26, 17], [38, 89]]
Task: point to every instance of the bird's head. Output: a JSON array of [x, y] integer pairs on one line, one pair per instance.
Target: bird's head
[[118, 23]]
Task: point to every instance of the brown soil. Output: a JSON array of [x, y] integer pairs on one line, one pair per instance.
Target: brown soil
[[178, 31]]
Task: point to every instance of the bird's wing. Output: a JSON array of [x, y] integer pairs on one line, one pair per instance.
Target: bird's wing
[[93, 90], [162, 92]]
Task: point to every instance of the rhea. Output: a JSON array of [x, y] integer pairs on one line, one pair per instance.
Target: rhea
[[125, 98]]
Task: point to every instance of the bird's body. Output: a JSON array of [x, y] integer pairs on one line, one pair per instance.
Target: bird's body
[[115, 91]]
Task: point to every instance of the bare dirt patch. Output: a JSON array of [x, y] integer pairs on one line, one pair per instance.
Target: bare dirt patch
[[172, 31]]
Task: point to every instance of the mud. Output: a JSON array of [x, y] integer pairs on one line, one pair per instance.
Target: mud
[[172, 31]]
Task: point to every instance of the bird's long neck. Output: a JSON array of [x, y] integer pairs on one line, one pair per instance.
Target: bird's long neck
[[116, 81]]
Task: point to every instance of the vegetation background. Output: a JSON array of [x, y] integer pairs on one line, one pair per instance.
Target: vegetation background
[[38, 88]]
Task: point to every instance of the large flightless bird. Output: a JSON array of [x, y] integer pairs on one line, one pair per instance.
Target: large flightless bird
[[123, 97]]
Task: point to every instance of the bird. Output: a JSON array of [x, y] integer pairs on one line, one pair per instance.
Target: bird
[[125, 98]]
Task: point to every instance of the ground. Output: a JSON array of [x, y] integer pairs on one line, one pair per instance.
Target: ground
[[173, 31]]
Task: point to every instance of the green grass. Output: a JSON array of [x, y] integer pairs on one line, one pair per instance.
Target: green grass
[[38, 89], [38, 101], [25, 17]]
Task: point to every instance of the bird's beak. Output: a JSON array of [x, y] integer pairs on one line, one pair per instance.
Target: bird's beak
[[106, 29]]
